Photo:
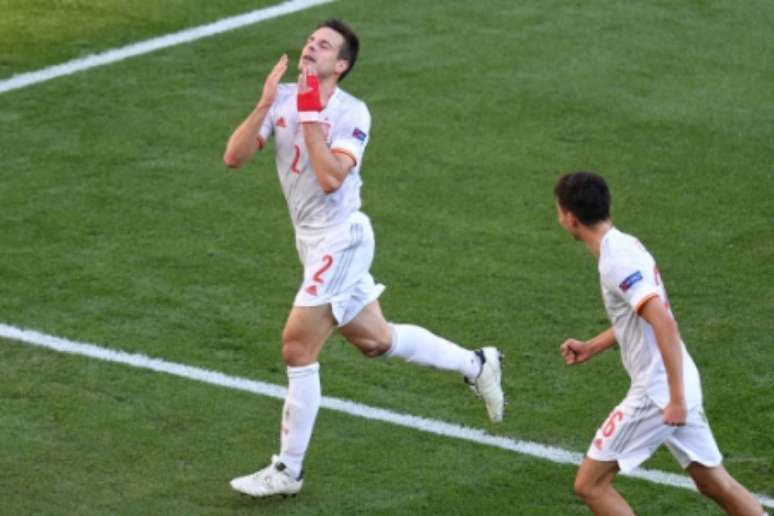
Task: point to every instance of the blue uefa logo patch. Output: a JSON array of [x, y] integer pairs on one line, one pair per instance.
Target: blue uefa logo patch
[[359, 135], [630, 281]]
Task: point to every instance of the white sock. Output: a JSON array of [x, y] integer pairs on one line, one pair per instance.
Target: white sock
[[298, 415], [419, 346]]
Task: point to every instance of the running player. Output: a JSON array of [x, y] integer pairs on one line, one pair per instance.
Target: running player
[[664, 402], [321, 133]]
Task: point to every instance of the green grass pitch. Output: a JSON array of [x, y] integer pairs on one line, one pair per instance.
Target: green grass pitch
[[120, 225]]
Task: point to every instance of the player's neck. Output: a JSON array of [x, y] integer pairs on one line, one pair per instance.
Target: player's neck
[[327, 89], [592, 235]]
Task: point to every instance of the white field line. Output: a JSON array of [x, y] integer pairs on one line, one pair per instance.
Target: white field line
[[23, 80], [433, 426]]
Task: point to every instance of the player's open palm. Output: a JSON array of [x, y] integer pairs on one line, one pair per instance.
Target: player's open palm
[[272, 81], [574, 351]]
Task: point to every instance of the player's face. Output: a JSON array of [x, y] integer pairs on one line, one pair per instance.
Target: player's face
[[567, 220], [321, 53]]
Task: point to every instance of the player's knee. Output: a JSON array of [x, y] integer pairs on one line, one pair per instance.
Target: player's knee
[[586, 489], [582, 489], [373, 340], [294, 354], [371, 347], [375, 351]]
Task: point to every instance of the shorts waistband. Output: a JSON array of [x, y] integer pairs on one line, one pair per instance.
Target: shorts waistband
[[306, 232]]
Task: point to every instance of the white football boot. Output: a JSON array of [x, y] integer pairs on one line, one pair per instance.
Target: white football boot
[[487, 384], [271, 480]]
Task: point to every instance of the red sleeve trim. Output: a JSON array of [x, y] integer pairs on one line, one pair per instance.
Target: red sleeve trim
[[642, 302], [346, 153]]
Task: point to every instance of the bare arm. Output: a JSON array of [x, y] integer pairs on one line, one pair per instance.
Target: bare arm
[[576, 352], [669, 344], [244, 140], [330, 168]]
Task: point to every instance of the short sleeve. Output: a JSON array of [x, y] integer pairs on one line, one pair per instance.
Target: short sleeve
[[630, 279], [350, 136], [267, 127]]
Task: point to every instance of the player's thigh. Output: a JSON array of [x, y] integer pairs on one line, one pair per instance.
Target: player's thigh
[[369, 330], [306, 330]]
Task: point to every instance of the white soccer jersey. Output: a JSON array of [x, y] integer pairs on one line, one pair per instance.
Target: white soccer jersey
[[346, 127], [629, 277]]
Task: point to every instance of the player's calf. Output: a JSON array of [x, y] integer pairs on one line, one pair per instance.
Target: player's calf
[[716, 483]]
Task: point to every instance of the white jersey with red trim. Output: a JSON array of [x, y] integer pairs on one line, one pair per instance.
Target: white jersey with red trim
[[347, 123], [629, 278]]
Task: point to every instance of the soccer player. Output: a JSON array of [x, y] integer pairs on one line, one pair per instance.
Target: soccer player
[[321, 133], [664, 402]]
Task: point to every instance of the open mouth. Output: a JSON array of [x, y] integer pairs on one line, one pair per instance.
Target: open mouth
[[308, 59]]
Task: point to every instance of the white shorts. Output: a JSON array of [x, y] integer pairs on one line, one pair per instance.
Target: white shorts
[[336, 268], [635, 429]]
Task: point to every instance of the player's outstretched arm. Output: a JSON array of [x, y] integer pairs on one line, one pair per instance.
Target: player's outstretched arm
[[669, 344], [244, 141], [576, 351]]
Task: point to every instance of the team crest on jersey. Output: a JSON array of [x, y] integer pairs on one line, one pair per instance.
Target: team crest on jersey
[[359, 135], [281, 122], [630, 281]]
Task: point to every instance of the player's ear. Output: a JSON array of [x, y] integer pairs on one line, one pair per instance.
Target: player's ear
[[568, 219], [342, 65], [572, 219]]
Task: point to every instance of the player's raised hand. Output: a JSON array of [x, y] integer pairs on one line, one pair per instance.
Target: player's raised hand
[[309, 91], [574, 351], [272, 81], [308, 99]]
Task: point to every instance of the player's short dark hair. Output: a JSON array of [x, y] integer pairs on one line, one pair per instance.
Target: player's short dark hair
[[584, 194], [351, 45]]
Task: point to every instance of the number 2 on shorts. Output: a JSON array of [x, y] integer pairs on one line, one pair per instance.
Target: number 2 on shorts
[[327, 262]]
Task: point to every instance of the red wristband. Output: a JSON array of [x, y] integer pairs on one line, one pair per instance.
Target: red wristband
[[309, 100]]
